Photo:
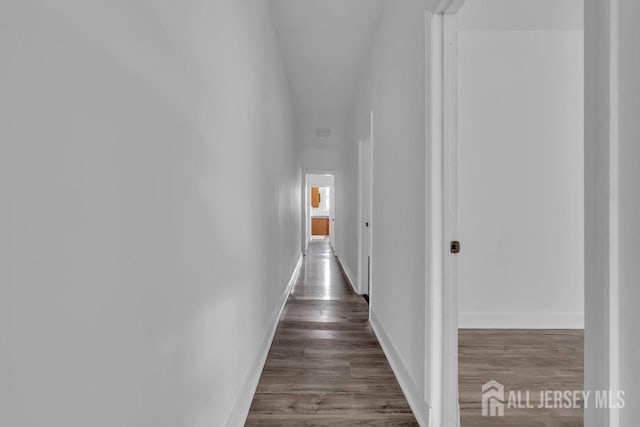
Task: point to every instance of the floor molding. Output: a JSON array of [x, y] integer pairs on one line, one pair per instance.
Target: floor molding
[[520, 320], [245, 396], [348, 274], [408, 386]]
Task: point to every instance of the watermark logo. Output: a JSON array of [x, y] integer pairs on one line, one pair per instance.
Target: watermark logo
[[493, 399]]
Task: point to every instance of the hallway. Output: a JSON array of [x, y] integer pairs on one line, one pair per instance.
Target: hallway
[[325, 366], [156, 164]]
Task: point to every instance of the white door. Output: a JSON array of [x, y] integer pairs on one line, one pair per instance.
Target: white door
[[365, 217]]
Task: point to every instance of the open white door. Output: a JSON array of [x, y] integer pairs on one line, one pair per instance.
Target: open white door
[[441, 331], [365, 209], [365, 218]]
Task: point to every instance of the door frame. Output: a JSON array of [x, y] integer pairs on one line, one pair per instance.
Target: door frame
[[441, 321], [306, 216], [601, 204], [450, 206], [366, 137]]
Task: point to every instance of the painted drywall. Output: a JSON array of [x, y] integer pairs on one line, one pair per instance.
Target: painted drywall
[[137, 285], [393, 87], [629, 208], [520, 166], [321, 158]]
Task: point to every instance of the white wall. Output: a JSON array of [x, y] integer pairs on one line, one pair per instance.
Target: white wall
[[629, 208], [321, 158], [137, 285], [520, 165], [393, 87]]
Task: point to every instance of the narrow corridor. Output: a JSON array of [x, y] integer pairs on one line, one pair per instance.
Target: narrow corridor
[[325, 366]]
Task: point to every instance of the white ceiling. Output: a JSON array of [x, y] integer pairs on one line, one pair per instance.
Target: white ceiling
[[324, 43]]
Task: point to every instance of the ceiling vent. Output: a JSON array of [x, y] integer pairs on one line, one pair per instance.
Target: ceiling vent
[[323, 133]]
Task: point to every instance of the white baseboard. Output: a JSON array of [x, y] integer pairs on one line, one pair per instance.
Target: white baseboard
[[348, 274], [520, 320], [242, 404], [414, 397]]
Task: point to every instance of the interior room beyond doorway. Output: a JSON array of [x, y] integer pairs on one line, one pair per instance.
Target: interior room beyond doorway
[[320, 208]]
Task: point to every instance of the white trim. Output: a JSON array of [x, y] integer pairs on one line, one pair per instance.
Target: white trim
[[371, 218], [243, 401], [614, 210], [520, 320], [434, 234], [348, 274], [602, 358], [450, 415], [441, 340], [408, 386], [359, 263]]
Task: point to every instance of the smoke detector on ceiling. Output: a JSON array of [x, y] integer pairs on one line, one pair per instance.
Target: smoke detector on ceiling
[[323, 133]]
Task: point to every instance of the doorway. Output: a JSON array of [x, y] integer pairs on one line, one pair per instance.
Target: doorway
[[514, 222], [320, 208], [365, 196]]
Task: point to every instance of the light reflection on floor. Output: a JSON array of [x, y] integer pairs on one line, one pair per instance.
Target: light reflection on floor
[[320, 278]]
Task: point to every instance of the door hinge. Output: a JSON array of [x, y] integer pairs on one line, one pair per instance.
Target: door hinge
[[455, 247]]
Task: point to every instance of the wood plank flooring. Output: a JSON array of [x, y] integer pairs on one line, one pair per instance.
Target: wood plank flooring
[[325, 366], [533, 360]]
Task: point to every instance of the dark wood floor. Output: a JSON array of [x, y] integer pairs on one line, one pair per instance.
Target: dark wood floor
[[325, 366], [533, 360]]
